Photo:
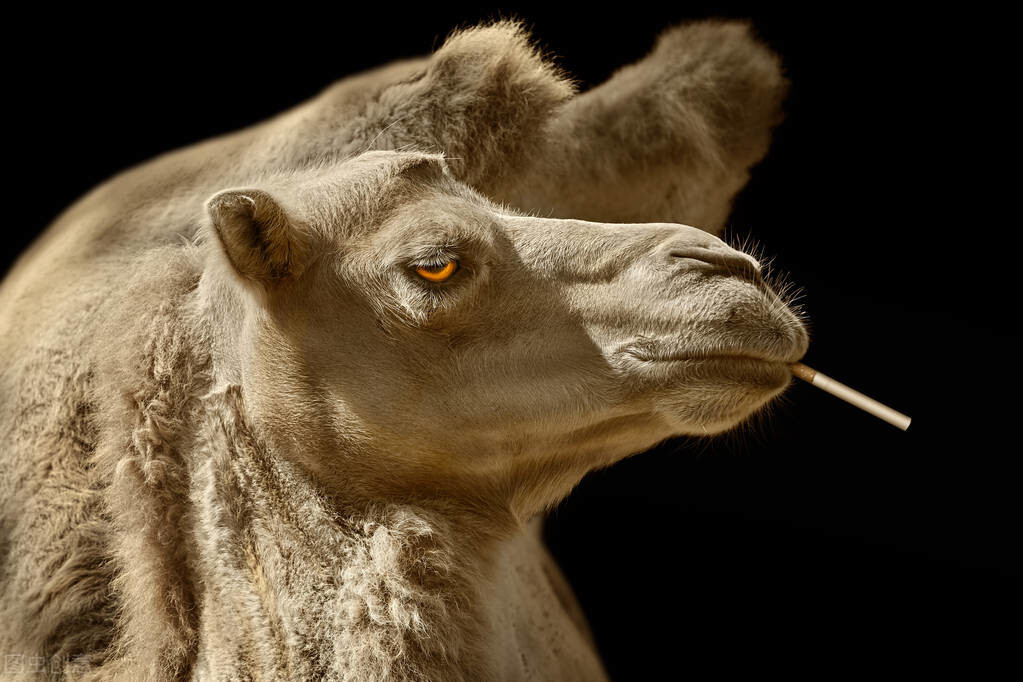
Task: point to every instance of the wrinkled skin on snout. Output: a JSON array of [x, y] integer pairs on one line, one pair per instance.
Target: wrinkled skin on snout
[[555, 347]]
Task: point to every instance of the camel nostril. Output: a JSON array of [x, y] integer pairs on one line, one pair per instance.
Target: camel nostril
[[723, 259]]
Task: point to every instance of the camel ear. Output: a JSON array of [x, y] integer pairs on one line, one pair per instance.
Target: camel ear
[[257, 235]]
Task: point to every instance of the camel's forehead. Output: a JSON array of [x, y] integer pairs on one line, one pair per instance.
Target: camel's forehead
[[430, 216]]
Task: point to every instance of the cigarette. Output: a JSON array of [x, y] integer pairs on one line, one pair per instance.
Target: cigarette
[[840, 390]]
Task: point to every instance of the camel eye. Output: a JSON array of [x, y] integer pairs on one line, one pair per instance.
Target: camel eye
[[437, 273]]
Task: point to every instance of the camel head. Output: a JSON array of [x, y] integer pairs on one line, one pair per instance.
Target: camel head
[[401, 336]]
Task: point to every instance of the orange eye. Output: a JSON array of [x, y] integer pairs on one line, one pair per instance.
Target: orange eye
[[437, 273]]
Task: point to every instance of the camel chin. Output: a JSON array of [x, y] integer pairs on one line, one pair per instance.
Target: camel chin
[[720, 392]]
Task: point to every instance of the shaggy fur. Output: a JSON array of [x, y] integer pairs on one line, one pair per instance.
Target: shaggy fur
[[679, 132], [242, 440]]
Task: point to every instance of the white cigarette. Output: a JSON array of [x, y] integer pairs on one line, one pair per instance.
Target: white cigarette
[[840, 390]]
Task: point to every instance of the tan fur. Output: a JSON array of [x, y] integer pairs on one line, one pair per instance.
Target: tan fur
[[243, 440], [676, 132]]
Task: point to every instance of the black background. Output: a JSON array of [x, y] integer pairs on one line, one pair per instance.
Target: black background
[[821, 540]]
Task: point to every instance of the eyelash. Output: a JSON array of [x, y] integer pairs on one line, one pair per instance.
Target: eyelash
[[439, 263], [434, 255]]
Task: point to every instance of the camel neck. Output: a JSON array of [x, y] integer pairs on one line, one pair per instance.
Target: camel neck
[[286, 571]]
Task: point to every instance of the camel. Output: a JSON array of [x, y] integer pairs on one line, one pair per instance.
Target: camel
[[289, 403]]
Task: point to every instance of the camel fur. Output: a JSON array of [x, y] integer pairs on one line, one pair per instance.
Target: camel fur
[[243, 439]]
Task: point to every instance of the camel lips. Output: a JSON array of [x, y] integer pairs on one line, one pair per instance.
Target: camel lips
[[840, 390]]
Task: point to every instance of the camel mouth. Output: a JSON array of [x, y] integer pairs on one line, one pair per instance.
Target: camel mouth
[[780, 343], [694, 358], [753, 371], [750, 375], [649, 351]]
